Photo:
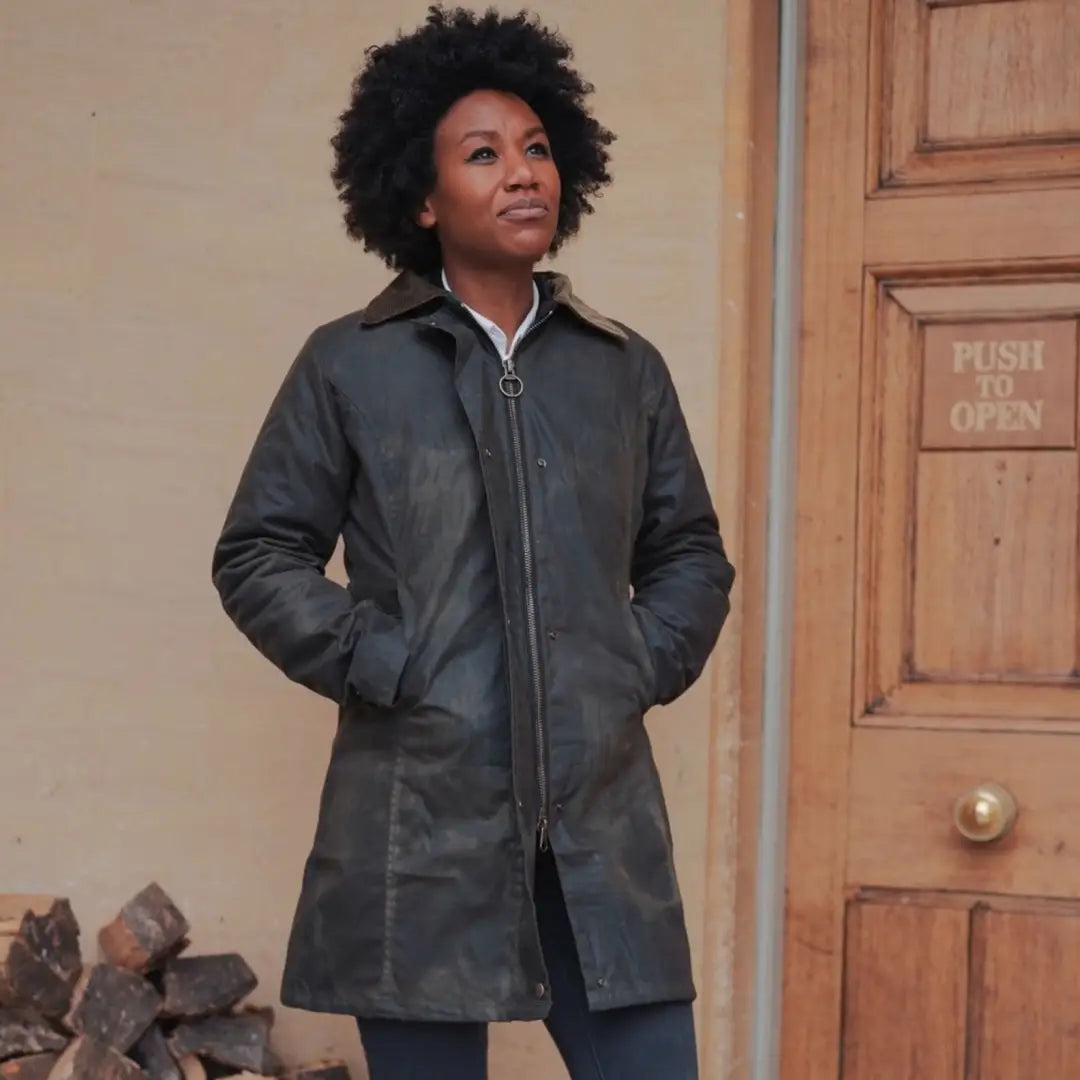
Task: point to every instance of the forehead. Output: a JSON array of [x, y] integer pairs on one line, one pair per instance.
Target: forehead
[[487, 110]]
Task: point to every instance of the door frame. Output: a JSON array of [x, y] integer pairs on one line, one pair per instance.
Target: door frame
[[805, 1003], [740, 1000]]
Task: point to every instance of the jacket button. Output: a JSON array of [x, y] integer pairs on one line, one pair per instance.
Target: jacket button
[[487, 451], [601, 981], [553, 634], [542, 462], [540, 990]]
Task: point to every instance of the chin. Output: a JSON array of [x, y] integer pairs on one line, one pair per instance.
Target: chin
[[529, 252]]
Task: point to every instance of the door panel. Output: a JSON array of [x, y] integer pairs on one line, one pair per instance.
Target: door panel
[[936, 644], [946, 987], [905, 992], [994, 567], [904, 786], [971, 91], [1026, 1021]]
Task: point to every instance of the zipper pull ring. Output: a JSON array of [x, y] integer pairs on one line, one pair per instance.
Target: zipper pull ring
[[510, 384], [542, 829]]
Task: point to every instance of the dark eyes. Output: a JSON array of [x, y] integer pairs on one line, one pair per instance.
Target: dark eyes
[[486, 153]]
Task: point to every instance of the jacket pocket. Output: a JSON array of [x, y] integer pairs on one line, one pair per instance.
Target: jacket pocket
[[645, 660], [378, 663]]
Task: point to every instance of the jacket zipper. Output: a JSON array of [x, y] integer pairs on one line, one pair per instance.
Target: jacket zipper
[[512, 387]]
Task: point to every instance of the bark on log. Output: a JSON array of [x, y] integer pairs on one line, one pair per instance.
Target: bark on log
[[24, 1032], [86, 1059], [148, 929], [240, 1042], [41, 962], [13, 906], [200, 985], [153, 1054], [113, 1006]]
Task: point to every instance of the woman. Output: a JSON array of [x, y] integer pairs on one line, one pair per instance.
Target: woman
[[533, 562]]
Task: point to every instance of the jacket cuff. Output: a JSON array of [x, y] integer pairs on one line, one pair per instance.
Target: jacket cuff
[[377, 666]]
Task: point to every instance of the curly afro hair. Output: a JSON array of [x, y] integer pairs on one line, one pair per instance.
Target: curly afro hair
[[384, 165]]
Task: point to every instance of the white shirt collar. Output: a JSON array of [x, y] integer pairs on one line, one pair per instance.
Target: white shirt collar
[[498, 338]]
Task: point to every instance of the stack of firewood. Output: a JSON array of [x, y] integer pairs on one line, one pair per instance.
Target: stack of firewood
[[143, 1012]]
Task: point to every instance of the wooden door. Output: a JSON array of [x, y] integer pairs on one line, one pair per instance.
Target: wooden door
[[936, 620]]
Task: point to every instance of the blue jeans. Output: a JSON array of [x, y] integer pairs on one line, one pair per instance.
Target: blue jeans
[[639, 1043]]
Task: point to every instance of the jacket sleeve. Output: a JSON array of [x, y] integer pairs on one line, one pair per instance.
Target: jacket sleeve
[[680, 573], [280, 531]]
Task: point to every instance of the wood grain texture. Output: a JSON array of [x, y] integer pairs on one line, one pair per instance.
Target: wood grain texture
[[989, 299], [995, 565], [888, 435], [1004, 72], [904, 785], [827, 447], [905, 991], [966, 93], [1027, 997], [975, 229]]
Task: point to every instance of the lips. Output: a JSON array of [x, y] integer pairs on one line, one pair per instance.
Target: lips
[[525, 210]]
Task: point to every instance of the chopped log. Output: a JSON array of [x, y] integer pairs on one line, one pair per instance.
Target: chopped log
[[7, 994], [149, 928], [320, 1070], [263, 1012], [24, 1032], [113, 1006], [192, 1068], [87, 1059], [41, 962], [13, 906], [240, 1042], [34, 1067], [200, 985], [153, 1054], [157, 968]]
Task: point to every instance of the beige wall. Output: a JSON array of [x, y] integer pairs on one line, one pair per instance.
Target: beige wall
[[169, 237]]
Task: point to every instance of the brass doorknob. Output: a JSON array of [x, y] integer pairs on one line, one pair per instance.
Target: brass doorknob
[[985, 813]]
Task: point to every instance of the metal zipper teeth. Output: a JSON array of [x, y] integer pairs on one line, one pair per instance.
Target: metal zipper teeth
[[530, 583]]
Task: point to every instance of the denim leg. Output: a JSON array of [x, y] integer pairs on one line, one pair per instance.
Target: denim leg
[[639, 1043], [423, 1050]]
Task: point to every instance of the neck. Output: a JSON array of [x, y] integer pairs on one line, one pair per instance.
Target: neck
[[503, 295]]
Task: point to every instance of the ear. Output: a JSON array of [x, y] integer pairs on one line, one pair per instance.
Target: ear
[[426, 218]]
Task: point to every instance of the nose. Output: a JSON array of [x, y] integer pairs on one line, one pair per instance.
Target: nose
[[520, 172]]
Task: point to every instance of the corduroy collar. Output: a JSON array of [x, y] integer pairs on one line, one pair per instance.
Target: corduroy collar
[[409, 292]]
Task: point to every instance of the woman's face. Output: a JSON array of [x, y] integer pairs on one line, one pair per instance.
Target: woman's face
[[496, 196]]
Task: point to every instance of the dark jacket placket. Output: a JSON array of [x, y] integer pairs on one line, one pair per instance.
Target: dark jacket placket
[[512, 387], [477, 379]]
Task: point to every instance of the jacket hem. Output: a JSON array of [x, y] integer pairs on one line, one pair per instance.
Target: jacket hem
[[375, 1007], [380, 1008], [606, 1000]]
